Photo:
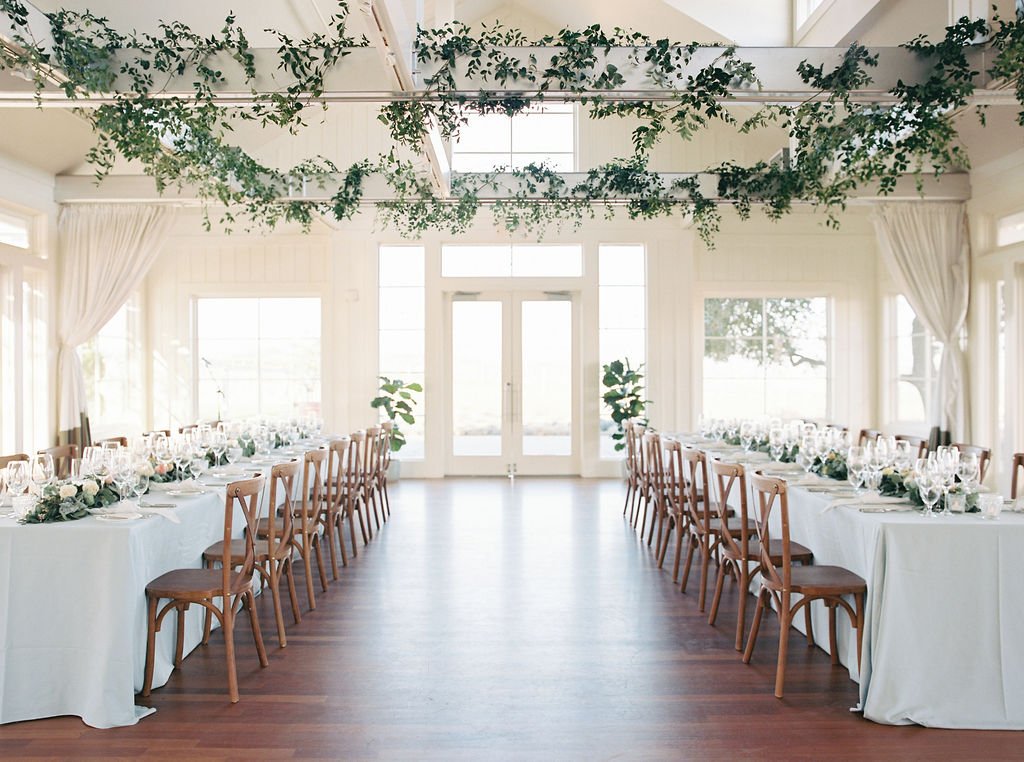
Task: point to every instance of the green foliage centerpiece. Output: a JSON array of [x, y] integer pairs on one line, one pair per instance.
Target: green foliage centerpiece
[[68, 501]]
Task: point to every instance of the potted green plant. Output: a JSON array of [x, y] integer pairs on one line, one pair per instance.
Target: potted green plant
[[624, 397], [397, 400]]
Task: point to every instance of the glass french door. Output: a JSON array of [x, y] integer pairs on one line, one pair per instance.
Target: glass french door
[[513, 381]]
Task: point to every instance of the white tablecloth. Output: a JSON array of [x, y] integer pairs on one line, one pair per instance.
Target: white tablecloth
[[73, 608], [944, 627]]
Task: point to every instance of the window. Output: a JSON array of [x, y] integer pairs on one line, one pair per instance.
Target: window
[[766, 357], [512, 261], [544, 134], [24, 360], [622, 317], [915, 355], [804, 9], [14, 231], [258, 357], [1010, 229], [112, 364], [401, 331]]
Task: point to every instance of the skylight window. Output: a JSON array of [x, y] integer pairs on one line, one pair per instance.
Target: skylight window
[[544, 134]]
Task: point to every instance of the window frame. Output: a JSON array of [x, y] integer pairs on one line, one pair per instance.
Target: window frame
[[244, 291], [570, 108], [891, 376], [831, 292]]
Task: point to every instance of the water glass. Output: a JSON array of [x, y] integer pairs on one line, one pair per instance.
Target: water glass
[[956, 502], [991, 506]]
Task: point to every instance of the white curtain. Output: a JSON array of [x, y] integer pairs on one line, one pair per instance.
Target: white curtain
[[105, 252], [927, 250]]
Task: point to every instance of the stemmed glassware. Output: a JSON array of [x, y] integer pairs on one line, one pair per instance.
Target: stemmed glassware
[[929, 486], [776, 442], [42, 472], [16, 477], [856, 463], [747, 431], [968, 471]]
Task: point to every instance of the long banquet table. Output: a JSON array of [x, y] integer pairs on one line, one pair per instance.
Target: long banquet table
[[73, 606], [944, 621]]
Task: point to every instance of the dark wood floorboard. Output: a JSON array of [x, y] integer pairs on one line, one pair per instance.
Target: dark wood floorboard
[[492, 621]]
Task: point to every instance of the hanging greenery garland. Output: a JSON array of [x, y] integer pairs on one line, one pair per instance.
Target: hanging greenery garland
[[841, 145]]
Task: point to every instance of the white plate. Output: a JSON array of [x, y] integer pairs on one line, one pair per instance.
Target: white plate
[[118, 516]]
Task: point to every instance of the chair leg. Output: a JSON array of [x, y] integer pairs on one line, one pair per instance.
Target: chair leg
[[858, 602], [784, 623], [207, 627], [679, 552], [307, 562], [363, 527], [705, 562], [687, 563], [329, 534], [179, 646], [833, 649], [229, 651], [320, 563], [254, 620], [809, 625], [147, 682], [629, 494], [670, 525], [741, 616], [275, 595], [754, 626], [290, 575], [719, 584]]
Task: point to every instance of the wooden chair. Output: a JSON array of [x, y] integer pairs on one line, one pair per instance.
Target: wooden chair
[[632, 471], [306, 529], [370, 475], [677, 520], [273, 553], [353, 494], [868, 435], [331, 516], [1015, 469], [779, 582], [918, 443], [739, 552], [223, 592], [705, 524], [62, 457], [188, 428], [660, 493], [123, 441], [642, 477], [165, 432], [984, 457], [386, 429], [5, 459]]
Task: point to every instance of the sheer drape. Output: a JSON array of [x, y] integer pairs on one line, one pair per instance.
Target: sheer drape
[[105, 252], [926, 248]]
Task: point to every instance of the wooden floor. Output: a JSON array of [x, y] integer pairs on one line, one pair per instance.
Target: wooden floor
[[497, 621]]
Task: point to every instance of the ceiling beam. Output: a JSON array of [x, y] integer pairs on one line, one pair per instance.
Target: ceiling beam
[[360, 78], [78, 189]]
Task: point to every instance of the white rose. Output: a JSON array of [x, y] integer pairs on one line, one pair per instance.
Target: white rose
[[68, 490], [90, 488], [145, 470]]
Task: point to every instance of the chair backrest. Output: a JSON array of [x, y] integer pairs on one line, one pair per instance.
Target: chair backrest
[[62, 456], [312, 488], [698, 494], [868, 435], [1018, 466], [730, 479], [771, 492], [354, 466], [920, 443], [639, 456], [5, 459], [371, 456], [386, 431], [123, 441], [282, 487], [246, 494], [674, 475], [187, 428], [655, 464], [337, 462], [984, 456], [165, 432]]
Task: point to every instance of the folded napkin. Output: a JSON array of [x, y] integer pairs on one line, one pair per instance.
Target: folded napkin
[[869, 500], [167, 511], [171, 514]]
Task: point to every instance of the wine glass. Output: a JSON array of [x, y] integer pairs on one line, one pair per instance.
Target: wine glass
[[181, 449], [234, 454], [139, 485], [856, 462], [219, 446], [776, 442], [198, 466], [42, 473], [930, 488], [747, 435], [967, 471], [16, 479]]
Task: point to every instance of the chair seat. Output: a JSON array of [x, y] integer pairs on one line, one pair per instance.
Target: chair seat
[[826, 580], [215, 552], [797, 552], [735, 526], [195, 584]]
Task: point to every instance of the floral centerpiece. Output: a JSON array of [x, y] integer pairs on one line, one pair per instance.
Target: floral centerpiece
[[832, 465], [900, 483], [67, 501]]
